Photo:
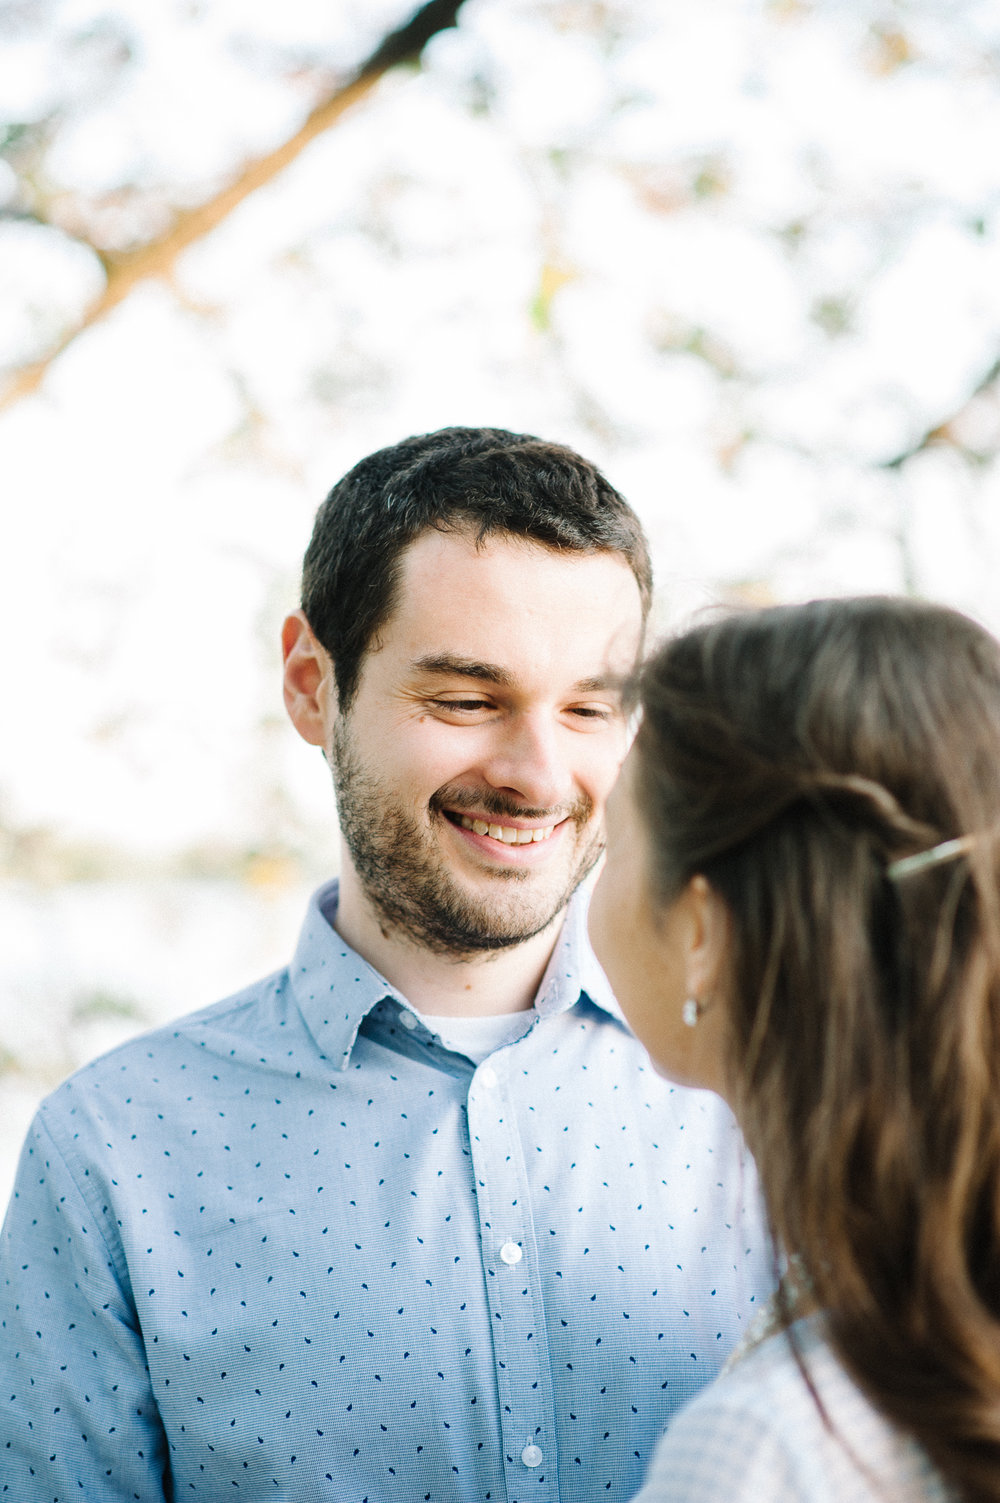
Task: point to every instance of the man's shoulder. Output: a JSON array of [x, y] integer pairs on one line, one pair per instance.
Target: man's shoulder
[[248, 1019]]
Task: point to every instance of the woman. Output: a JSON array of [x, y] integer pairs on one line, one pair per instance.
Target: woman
[[801, 911]]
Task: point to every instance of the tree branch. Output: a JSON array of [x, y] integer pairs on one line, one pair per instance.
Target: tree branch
[[125, 270], [940, 433]]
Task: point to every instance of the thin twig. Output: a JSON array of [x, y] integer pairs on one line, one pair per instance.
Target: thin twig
[[125, 270], [940, 432]]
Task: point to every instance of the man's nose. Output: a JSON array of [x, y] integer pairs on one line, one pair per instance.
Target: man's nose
[[529, 759]]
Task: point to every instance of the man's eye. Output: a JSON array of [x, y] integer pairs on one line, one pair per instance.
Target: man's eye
[[470, 705], [592, 712]]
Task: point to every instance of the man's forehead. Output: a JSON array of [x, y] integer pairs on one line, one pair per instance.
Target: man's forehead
[[463, 552], [500, 603]]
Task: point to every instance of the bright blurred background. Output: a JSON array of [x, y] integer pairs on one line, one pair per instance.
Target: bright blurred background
[[743, 253]]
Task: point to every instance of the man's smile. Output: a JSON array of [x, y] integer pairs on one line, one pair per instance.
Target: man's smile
[[506, 833]]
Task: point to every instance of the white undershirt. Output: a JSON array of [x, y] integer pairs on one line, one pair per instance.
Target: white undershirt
[[476, 1037]]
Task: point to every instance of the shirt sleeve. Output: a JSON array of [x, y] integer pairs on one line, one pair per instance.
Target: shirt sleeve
[[77, 1414], [714, 1451]]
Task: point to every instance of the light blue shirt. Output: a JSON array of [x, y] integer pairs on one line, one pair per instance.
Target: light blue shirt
[[291, 1247]]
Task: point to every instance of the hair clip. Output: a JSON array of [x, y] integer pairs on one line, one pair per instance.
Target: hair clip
[[946, 851]]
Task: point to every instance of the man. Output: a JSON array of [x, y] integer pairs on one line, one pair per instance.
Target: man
[[402, 1221]]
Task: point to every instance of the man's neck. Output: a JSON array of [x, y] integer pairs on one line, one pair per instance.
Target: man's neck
[[482, 985]]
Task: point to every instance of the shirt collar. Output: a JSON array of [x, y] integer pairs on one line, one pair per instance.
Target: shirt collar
[[573, 969], [336, 988]]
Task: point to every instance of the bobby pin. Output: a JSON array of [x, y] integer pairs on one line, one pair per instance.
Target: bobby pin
[[946, 851]]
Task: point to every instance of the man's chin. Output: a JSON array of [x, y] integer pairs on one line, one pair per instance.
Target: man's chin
[[497, 925], [500, 914], [469, 920]]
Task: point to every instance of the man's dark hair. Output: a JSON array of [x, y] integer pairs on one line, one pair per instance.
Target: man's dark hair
[[485, 481]]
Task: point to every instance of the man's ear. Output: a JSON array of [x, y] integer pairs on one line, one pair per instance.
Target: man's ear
[[310, 692]]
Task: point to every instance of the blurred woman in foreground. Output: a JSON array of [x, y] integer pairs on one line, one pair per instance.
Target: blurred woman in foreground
[[801, 911]]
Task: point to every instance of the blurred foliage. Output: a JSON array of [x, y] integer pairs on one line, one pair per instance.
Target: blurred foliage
[[746, 253], [139, 121], [136, 232], [99, 1005]]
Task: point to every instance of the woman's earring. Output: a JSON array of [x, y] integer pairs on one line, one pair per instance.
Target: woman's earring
[[690, 1011]]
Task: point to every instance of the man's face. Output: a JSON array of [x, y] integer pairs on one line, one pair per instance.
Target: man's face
[[473, 764]]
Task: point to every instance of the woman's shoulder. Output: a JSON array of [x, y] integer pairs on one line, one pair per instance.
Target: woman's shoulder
[[758, 1434]]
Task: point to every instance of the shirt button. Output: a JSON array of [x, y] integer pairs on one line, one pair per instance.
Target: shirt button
[[511, 1253], [532, 1456], [488, 1076], [407, 1019]]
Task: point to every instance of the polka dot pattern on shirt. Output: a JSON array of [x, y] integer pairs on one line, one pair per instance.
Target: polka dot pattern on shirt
[[291, 1247]]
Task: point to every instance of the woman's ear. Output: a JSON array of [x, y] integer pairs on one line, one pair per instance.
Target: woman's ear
[[708, 938], [309, 689], [707, 941]]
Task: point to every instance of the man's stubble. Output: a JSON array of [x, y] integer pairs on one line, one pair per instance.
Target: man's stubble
[[404, 876]]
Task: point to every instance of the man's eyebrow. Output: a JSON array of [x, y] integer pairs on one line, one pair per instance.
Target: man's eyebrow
[[605, 683], [449, 664]]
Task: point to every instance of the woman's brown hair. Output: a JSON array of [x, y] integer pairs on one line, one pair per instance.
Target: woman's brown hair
[[792, 756]]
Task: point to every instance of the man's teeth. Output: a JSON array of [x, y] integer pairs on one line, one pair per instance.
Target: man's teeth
[[506, 833]]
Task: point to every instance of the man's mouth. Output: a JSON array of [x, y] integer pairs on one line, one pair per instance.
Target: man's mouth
[[507, 834]]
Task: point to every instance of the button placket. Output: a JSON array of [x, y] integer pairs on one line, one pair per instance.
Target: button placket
[[520, 1343]]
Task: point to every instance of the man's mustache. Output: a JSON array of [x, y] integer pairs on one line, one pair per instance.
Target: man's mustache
[[492, 801]]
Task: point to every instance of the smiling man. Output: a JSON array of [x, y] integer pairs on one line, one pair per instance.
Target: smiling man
[[474, 756], [401, 1221]]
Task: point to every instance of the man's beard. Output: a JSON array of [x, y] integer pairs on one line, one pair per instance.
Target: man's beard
[[405, 877]]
